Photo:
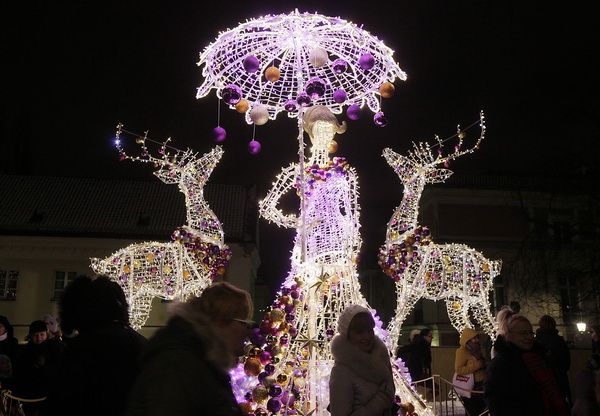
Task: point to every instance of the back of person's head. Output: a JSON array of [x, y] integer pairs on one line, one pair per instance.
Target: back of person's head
[[88, 303], [507, 318], [7, 326], [223, 301], [547, 322]]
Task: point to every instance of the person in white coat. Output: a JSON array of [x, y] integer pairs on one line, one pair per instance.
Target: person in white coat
[[361, 381]]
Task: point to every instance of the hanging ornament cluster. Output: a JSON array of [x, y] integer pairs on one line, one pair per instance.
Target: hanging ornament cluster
[[316, 173], [394, 259], [282, 63], [214, 258]]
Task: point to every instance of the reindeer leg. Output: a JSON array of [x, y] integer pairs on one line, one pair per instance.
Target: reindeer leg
[[484, 317], [139, 310], [458, 312], [406, 299]]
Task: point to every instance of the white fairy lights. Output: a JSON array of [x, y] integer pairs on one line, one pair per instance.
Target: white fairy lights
[[455, 273], [284, 62], [287, 365], [186, 265]]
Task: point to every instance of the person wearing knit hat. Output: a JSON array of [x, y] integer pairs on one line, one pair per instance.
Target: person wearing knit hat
[[468, 360], [361, 378], [38, 332]]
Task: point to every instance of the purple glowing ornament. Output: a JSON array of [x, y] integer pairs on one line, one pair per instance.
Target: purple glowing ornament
[[303, 99], [232, 94], [380, 119], [315, 88], [218, 134], [254, 147], [366, 61], [339, 66], [290, 106], [354, 112], [251, 64], [339, 96], [274, 405]]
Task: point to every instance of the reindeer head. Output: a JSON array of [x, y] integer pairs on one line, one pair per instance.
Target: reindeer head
[[172, 167], [422, 162]]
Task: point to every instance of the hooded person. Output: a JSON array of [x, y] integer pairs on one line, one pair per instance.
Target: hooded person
[[469, 359], [8, 343], [361, 379]]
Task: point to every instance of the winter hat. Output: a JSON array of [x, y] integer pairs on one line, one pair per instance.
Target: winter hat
[[346, 318], [466, 335], [37, 326]]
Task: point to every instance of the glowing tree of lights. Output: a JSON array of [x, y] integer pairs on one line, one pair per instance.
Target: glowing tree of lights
[[455, 273], [186, 265], [287, 367]]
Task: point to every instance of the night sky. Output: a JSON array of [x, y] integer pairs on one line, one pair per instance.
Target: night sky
[[72, 70]]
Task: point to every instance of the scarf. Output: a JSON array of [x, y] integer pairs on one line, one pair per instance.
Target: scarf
[[3, 336], [554, 404]]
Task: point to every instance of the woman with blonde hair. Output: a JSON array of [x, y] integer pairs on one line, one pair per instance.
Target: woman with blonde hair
[[185, 365], [519, 380]]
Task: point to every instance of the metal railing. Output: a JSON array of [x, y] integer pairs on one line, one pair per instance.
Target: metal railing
[[11, 405], [441, 397]]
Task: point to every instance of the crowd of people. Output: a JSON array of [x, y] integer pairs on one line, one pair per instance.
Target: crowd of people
[[96, 364]]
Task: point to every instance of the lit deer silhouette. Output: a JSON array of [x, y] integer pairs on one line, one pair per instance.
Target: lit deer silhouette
[[455, 273], [186, 265]]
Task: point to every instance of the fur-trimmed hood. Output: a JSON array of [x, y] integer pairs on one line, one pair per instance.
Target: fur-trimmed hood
[[374, 366], [189, 328]]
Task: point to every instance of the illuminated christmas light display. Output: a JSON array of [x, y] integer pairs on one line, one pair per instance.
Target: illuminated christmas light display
[[287, 365], [284, 63], [421, 268], [186, 265]]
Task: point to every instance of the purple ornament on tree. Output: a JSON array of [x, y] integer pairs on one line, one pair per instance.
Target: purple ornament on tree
[[339, 96], [274, 405], [218, 134], [303, 99], [339, 66], [354, 112], [232, 94], [380, 119], [315, 88], [290, 106], [254, 147], [366, 61], [251, 64]]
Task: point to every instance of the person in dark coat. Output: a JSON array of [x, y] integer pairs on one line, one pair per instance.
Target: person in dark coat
[[558, 354], [418, 355], [8, 343], [519, 380], [36, 367], [100, 359], [185, 365]]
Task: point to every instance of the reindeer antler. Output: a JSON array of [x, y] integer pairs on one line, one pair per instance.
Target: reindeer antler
[[168, 161], [422, 153]]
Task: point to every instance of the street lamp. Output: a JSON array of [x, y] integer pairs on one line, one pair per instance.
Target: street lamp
[[581, 326]]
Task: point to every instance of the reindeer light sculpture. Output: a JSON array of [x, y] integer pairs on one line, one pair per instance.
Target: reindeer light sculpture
[[421, 268], [186, 265]]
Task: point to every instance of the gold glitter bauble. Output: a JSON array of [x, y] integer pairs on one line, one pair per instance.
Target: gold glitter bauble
[[242, 106], [260, 394], [387, 89]]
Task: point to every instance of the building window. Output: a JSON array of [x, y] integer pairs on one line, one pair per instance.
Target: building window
[[496, 297], [8, 284], [61, 280], [569, 299]]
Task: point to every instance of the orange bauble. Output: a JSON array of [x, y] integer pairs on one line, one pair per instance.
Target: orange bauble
[[252, 367], [242, 106], [333, 146], [387, 89], [272, 74]]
